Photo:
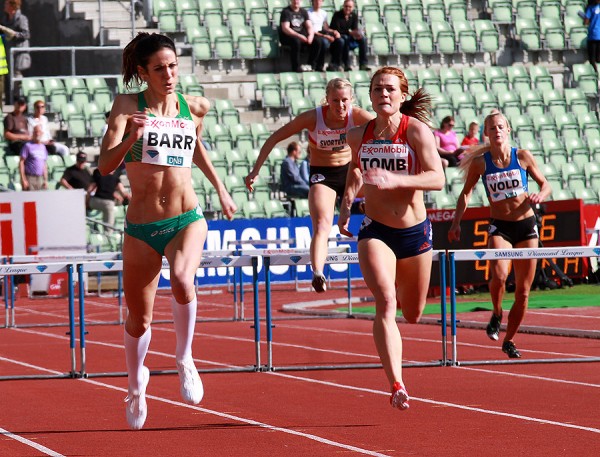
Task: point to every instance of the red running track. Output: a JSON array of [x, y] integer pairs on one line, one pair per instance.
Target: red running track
[[513, 410]]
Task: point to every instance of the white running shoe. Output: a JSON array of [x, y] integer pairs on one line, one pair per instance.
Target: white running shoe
[[399, 398], [192, 390], [136, 409]]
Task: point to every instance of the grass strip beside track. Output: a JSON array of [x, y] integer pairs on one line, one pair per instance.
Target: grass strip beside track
[[575, 297]]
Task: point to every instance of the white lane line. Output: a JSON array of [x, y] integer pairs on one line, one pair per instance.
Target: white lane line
[[428, 340], [246, 421], [424, 400], [196, 408], [30, 443], [447, 404], [545, 313], [526, 376]]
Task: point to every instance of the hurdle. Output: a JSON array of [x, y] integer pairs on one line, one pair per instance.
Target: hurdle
[[71, 259], [213, 260], [348, 258], [510, 254], [10, 270]]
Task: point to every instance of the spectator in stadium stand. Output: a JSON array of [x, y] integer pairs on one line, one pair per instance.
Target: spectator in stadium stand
[[106, 191], [39, 118], [470, 139], [14, 26], [504, 171], [290, 181], [324, 33], [16, 130], [345, 21], [447, 142], [395, 239], [77, 176], [327, 127], [163, 216], [33, 166], [296, 31], [3, 70], [592, 20]]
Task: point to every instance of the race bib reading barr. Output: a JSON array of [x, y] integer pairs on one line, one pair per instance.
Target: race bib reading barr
[[169, 142]]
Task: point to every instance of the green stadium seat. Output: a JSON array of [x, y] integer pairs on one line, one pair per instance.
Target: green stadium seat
[[300, 104], [502, 11], [275, 208], [221, 41], [518, 76], [443, 36], [487, 34], [589, 196], [253, 210], [529, 33], [465, 36], [554, 101], [553, 32], [541, 78], [525, 9], [586, 78], [451, 80], [378, 38], [550, 9], [422, 36], [400, 38]]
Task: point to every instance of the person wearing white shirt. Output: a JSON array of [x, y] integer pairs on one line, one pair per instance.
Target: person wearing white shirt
[[323, 32], [39, 118]]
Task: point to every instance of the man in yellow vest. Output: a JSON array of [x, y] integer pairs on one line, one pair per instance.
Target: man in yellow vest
[[3, 70]]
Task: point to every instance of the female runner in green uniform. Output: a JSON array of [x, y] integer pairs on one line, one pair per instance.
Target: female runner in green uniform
[[156, 133]]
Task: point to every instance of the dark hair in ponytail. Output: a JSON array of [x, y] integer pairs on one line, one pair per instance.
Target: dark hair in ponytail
[[138, 52], [417, 106]]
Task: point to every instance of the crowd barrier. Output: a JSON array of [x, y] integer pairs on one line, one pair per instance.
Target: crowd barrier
[[236, 260]]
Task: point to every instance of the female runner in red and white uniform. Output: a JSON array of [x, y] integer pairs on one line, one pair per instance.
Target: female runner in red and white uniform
[[329, 157], [395, 157]]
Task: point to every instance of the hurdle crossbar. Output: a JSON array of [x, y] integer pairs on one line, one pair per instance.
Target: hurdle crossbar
[[510, 254], [332, 258]]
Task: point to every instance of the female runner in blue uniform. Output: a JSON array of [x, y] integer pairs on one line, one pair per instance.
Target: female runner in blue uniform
[[157, 134], [396, 158], [504, 171]]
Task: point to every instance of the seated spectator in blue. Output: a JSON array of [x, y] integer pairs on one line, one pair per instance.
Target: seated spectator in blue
[[592, 20], [33, 166], [296, 31], [39, 118], [324, 33], [345, 21], [290, 180], [16, 130]]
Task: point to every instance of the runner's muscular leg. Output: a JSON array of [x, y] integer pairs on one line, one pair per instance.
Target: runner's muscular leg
[[184, 253], [377, 263], [141, 269], [412, 280], [499, 273], [524, 275], [321, 201]]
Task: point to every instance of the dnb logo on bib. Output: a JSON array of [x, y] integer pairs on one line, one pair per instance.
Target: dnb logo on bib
[[175, 161]]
